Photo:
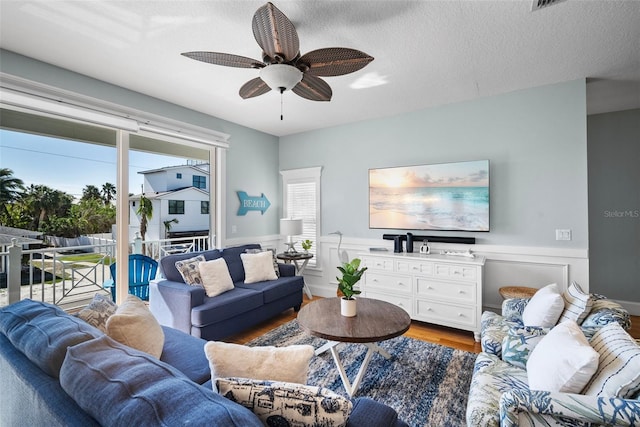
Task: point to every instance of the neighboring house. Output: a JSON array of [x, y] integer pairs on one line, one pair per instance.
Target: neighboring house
[[176, 192]]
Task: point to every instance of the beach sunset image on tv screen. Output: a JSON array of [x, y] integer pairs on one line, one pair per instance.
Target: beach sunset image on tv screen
[[446, 196]]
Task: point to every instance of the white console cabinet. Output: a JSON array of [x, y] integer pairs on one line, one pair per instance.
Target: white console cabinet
[[441, 289]]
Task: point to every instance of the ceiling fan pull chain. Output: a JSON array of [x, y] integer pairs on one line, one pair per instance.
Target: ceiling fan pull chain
[[281, 102]]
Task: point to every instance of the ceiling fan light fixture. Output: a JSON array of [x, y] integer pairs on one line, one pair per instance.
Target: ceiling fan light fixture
[[278, 76]]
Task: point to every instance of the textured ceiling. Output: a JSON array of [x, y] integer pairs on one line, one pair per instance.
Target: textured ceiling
[[427, 53]]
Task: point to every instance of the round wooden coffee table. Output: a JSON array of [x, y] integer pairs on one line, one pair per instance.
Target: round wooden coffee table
[[376, 321]]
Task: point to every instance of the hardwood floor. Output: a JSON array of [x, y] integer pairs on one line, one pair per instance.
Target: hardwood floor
[[449, 337]]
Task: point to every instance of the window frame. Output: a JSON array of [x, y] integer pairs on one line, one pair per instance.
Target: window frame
[[176, 205], [201, 180], [305, 176]]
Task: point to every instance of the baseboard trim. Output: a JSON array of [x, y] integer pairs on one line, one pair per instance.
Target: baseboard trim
[[632, 307]]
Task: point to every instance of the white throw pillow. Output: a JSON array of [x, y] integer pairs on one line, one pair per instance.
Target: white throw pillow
[[562, 361], [618, 373], [544, 308], [577, 304], [258, 267], [134, 325], [276, 267], [300, 405], [215, 277], [289, 364]]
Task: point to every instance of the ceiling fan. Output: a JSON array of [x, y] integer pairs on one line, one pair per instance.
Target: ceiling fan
[[282, 67]]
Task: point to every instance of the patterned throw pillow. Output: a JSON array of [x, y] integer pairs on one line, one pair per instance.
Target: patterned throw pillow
[[98, 311], [273, 255], [618, 373], [284, 404], [519, 343], [577, 304], [188, 269]]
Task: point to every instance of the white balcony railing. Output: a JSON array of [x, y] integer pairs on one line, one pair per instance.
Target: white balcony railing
[[70, 276]]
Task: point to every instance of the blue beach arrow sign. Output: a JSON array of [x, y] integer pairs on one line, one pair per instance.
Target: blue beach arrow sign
[[250, 203]]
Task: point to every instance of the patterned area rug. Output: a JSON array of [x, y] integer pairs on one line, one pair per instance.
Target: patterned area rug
[[427, 384]]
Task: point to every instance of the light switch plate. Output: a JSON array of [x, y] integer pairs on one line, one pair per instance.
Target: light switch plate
[[563, 234]]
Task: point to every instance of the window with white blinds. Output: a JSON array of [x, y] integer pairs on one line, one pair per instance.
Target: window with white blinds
[[301, 189]]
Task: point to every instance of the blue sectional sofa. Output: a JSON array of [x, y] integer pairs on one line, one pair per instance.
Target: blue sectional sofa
[[57, 370], [189, 309]]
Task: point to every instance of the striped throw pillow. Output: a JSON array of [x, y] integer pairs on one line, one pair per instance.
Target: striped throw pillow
[[618, 373], [577, 304]]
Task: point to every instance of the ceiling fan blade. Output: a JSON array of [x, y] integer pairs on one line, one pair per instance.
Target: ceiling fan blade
[[226, 59], [334, 61], [313, 88], [254, 87], [275, 34]]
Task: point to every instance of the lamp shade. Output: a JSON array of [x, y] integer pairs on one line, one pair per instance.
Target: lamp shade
[[290, 227], [278, 76]]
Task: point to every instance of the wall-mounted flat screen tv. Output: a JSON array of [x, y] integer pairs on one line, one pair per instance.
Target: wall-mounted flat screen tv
[[445, 196]]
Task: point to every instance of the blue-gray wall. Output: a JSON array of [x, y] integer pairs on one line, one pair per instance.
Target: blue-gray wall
[[614, 204], [535, 141], [252, 159]]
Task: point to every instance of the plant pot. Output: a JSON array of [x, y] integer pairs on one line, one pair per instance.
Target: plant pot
[[348, 307]]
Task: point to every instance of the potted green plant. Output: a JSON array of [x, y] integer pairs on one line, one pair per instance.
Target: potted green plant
[[351, 274], [306, 245]]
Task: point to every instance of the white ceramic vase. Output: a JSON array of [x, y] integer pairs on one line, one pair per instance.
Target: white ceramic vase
[[348, 307]]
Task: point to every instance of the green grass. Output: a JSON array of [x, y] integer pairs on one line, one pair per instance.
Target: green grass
[[93, 258]]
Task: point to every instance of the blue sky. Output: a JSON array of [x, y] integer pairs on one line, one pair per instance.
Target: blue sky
[[69, 165]]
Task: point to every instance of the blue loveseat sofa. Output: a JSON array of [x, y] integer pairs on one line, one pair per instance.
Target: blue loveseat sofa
[[57, 370], [189, 309]]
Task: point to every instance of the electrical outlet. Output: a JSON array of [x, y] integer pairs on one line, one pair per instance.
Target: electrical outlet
[[563, 234], [234, 229]]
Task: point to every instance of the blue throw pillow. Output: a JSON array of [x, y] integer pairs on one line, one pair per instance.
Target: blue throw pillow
[[121, 386], [42, 332]]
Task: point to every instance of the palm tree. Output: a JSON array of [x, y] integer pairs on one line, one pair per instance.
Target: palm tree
[[167, 226], [43, 201], [145, 210], [91, 192], [108, 192], [9, 187]]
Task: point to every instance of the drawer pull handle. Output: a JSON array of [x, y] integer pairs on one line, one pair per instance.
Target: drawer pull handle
[[374, 280], [400, 284], [400, 304], [460, 315], [429, 309], [461, 292]]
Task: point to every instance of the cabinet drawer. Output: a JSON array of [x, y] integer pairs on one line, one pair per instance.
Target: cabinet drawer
[[447, 291], [447, 314], [378, 264], [402, 302], [455, 271], [388, 282], [415, 267]]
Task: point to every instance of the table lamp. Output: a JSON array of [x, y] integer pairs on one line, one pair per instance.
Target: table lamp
[[290, 227]]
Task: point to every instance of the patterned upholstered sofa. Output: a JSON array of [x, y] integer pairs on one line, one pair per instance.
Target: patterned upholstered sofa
[[500, 393], [494, 327]]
